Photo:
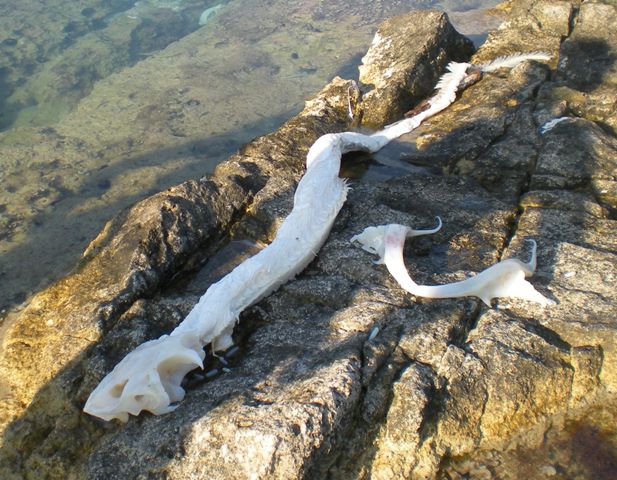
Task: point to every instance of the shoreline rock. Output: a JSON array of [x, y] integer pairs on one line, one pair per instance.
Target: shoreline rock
[[137, 253], [444, 388]]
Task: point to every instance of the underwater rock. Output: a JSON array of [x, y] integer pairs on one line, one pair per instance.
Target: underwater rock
[[208, 13], [55, 67]]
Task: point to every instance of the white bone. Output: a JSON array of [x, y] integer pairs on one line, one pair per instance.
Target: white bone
[[548, 126], [504, 279], [511, 61]]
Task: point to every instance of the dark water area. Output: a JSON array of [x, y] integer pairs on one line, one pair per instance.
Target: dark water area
[[103, 103]]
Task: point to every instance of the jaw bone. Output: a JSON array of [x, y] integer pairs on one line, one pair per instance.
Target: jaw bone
[[504, 279], [148, 378]]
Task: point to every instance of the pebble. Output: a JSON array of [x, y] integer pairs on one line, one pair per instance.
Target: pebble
[[231, 352], [373, 333], [548, 470]]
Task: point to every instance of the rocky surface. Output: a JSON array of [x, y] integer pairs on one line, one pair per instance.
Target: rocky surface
[[395, 80], [341, 374]]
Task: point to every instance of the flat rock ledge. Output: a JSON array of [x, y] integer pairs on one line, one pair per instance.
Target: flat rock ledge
[[340, 374]]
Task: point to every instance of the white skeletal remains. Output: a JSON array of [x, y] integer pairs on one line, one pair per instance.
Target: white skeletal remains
[[372, 239], [548, 126], [504, 279], [149, 377], [511, 61]]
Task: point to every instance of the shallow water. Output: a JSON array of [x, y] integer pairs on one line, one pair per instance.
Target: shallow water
[[105, 102]]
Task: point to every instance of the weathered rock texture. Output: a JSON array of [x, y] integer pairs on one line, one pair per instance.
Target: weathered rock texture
[[340, 373], [394, 79]]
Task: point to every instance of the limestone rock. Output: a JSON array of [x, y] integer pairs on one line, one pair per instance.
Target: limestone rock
[[136, 254], [429, 42], [584, 63], [575, 153]]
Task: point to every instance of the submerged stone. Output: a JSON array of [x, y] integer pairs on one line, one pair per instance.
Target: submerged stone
[[209, 13]]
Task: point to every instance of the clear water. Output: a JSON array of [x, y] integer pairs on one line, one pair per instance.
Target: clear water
[[105, 102]]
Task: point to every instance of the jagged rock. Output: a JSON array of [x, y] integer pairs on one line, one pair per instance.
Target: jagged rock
[[88, 321], [565, 211], [575, 153], [341, 374], [429, 41], [508, 375], [586, 63]]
